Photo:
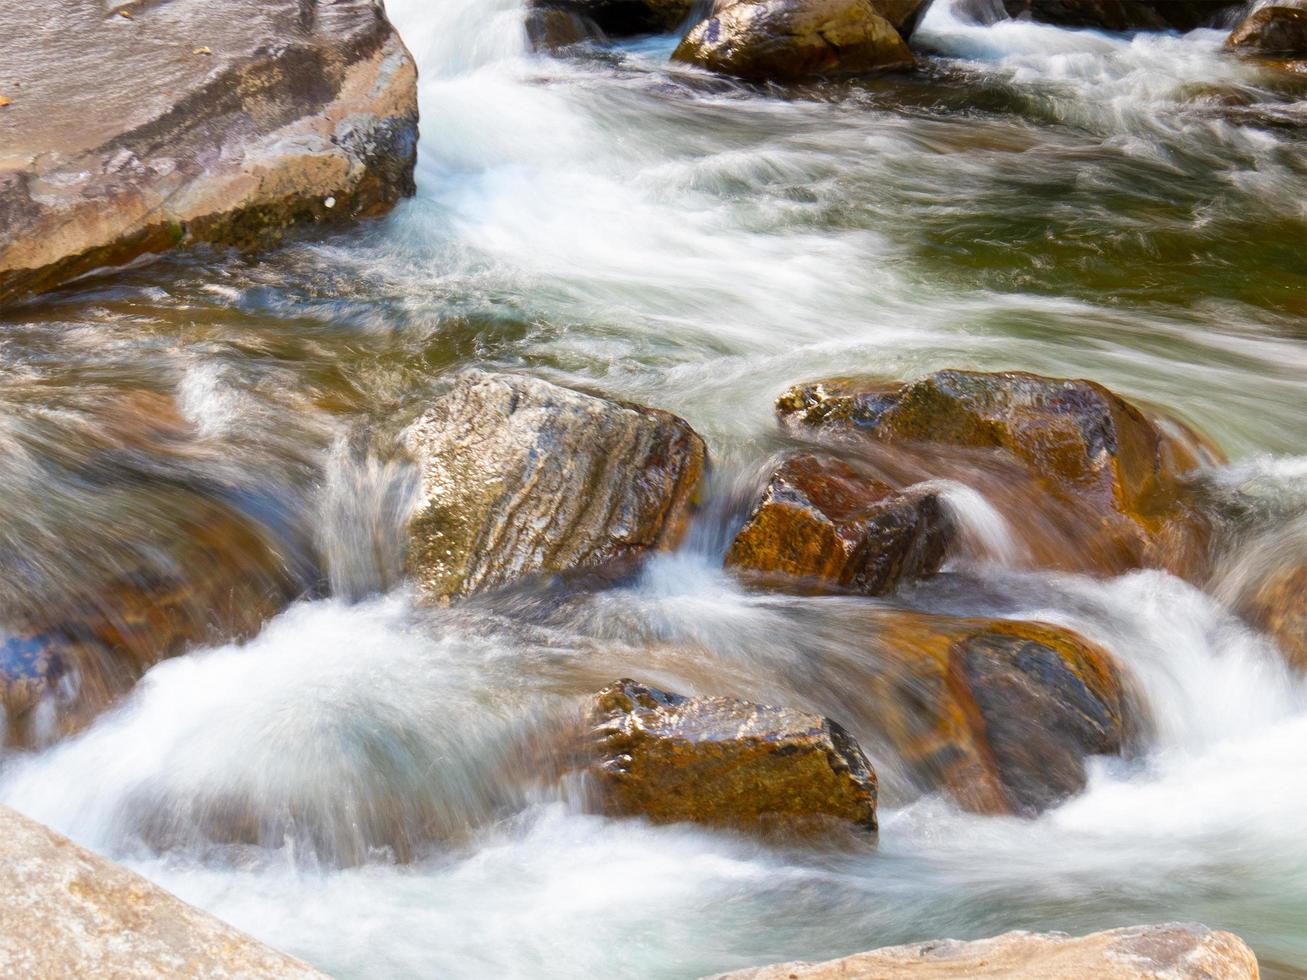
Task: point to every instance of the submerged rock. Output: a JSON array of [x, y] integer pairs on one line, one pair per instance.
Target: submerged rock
[[725, 762], [71, 913], [1176, 951], [207, 122], [820, 519], [521, 477], [1276, 30], [1001, 713], [1277, 605], [622, 18], [1091, 481], [795, 40], [1125, 15], [550, 27]]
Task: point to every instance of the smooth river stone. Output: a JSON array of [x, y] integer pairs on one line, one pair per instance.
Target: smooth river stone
[[520, 477]]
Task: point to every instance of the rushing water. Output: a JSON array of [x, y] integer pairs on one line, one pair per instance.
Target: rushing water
[[1128, 209]]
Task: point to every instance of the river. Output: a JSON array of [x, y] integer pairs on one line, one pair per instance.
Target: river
[[1124, 208]]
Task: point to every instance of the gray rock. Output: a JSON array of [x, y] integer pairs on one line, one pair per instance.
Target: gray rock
[[205, 122], [521, 477]]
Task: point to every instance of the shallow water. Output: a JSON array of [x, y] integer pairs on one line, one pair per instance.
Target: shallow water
[[1127, 209]]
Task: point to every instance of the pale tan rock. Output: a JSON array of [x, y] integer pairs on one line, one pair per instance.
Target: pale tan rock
[[1172, 951], [522, 477], [299, 112], [70, 913]]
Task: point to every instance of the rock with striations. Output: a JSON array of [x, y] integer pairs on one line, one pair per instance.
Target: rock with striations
[[795, 40], [1279, 30], [623, 18], [823, 522], [70, 913], [1174, 951], [1089, 481], [1125, 15], [207, 122], [520, 477], [724, 762], [1002, 714]]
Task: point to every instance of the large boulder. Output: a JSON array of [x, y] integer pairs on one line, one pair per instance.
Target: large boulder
[[521, 477], [207, 122], [1277, 30], [1176, 951], [71, 913], [621, 18], [795, 40], [724, 762], [1125, 15], [821, 521], [1090, 481], [1000, 713]]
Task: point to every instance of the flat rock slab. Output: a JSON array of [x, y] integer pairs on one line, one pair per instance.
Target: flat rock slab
[[520, 477], [1173, 951], [70, 913], [135, 127]]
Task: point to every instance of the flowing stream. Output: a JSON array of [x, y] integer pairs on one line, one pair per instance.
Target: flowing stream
[[1129, 209]]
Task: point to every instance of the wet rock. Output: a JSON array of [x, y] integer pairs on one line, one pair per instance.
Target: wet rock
[[795, 40], [521, 477], [1277, 30], [70, 913], [1001, 713], [224, 123], [725, 762], [551, 28], [1277, 605], [1177, 951], [821, 520], [1124, 15], [1092, 482], [622, 18], [979, 11]]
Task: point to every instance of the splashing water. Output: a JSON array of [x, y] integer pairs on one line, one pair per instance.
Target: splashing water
[[354, 784]]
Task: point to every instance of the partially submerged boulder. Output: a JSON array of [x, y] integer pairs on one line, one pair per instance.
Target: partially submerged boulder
[[1001, 713], [551, 27], [71, 913], [1125, 15], [795, 40], [622, 18], [1176, 951], [206, 122], [521, 477], [1091, 481], [724, 762], [1276, 30], [821, 520], [1277, 605]]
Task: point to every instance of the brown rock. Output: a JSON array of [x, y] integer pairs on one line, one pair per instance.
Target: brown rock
[[1277, 30], [820, 519], [621, 18], [1176, 951], [70, 913], [1278, 605], [725, 762], [795, 40], [550, 28], [522, 477], [1124, 15], [301, 112], [1091, 481], [1001, 713]]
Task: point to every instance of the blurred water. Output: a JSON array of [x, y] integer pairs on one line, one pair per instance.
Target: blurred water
[[356, 783]]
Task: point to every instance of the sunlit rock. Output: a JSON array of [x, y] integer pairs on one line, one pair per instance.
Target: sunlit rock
[[1277, 30], [795, 40], [1000, 713], [1125, 15], [822, 521], [521, 477], [1176, 951], [71, 913], [1090, 481], [725, 762], [207, 122]]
